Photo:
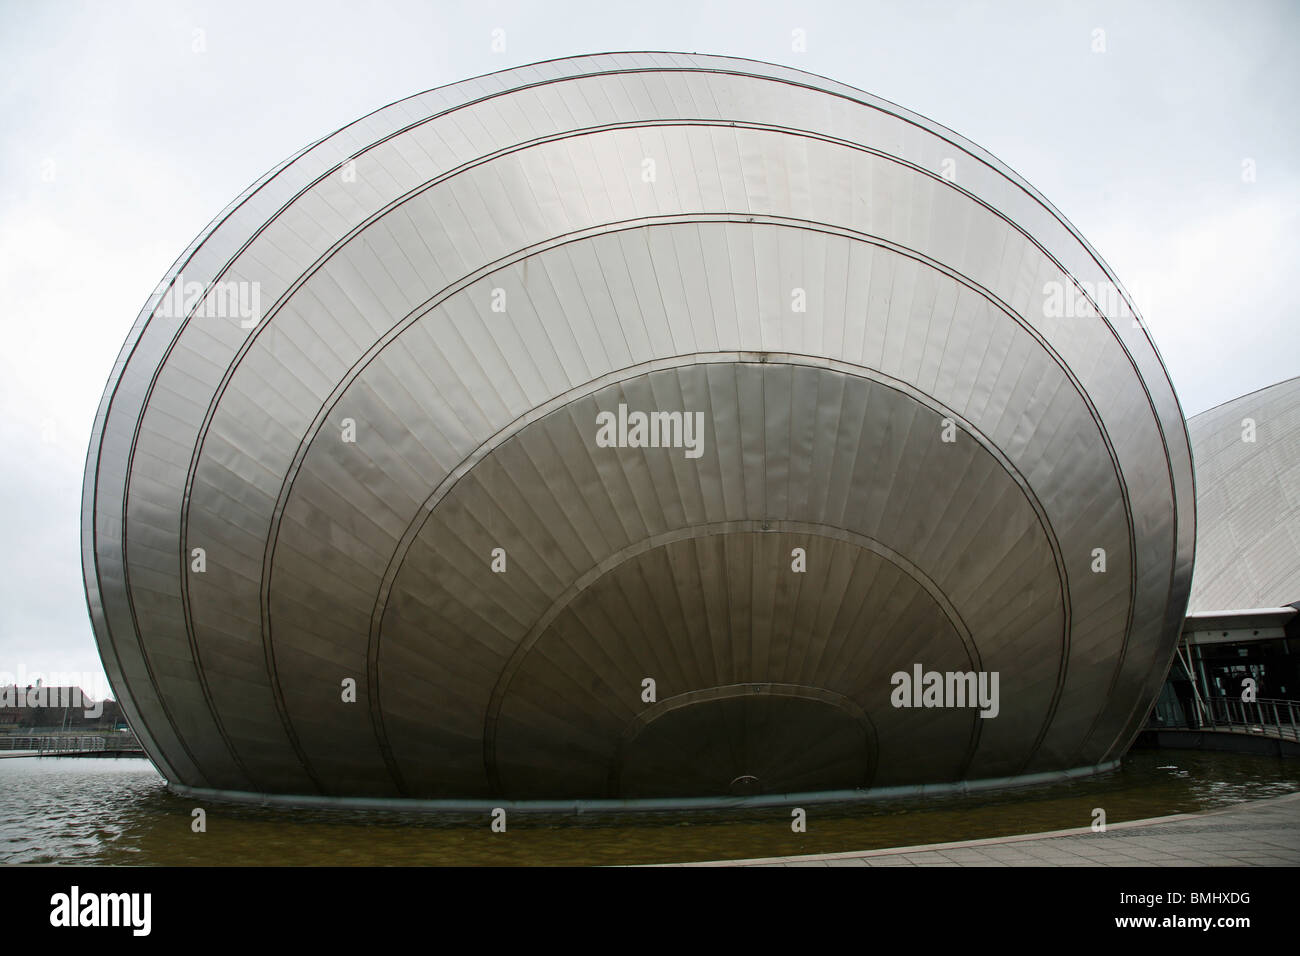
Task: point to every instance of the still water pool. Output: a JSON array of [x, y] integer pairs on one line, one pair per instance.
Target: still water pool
[[118, 811]]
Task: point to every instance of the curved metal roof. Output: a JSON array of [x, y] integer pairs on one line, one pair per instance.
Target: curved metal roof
[[1247, 459], [853, 300]]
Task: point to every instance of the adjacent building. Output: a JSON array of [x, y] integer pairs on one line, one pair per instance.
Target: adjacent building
[[1242, 623]]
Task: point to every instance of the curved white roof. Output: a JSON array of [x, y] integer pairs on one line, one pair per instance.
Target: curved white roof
[[1247, 460]]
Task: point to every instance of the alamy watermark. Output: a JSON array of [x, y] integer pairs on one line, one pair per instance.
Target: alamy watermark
[[128, 910], [651, 430], [227, 299], [33, 691], [1070, 300], [923, 688]]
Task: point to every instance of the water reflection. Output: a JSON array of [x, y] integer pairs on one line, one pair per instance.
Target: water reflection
[[114, 811]]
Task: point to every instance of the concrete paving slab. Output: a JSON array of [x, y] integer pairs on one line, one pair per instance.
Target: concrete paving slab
[[1261, 833]]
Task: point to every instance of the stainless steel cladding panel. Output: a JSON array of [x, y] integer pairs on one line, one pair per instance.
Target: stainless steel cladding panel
[[1247, 455]]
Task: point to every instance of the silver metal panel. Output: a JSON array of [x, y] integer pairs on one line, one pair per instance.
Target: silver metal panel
[[456, 275], [1248, 497]]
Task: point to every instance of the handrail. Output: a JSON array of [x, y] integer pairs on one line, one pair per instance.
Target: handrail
[[41, 744], [1266, 715]]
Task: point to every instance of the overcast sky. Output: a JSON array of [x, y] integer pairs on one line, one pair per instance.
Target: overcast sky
[[123, 132]]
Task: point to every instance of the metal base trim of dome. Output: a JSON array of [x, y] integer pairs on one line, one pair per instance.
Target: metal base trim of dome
[[643, 804]]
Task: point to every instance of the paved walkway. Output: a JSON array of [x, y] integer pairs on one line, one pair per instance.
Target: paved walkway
[[1261, 833]]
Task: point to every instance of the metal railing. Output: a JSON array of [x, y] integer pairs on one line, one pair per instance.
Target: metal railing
[[1274, 718], [68, 743], [59, 744]]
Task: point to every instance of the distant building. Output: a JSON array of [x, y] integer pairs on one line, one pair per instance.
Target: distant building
[[57, 707]]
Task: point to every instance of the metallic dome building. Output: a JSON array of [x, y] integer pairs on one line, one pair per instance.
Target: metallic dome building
[[619, 427]]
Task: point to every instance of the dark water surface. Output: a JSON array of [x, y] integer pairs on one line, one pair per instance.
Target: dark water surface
[[118, 811]]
